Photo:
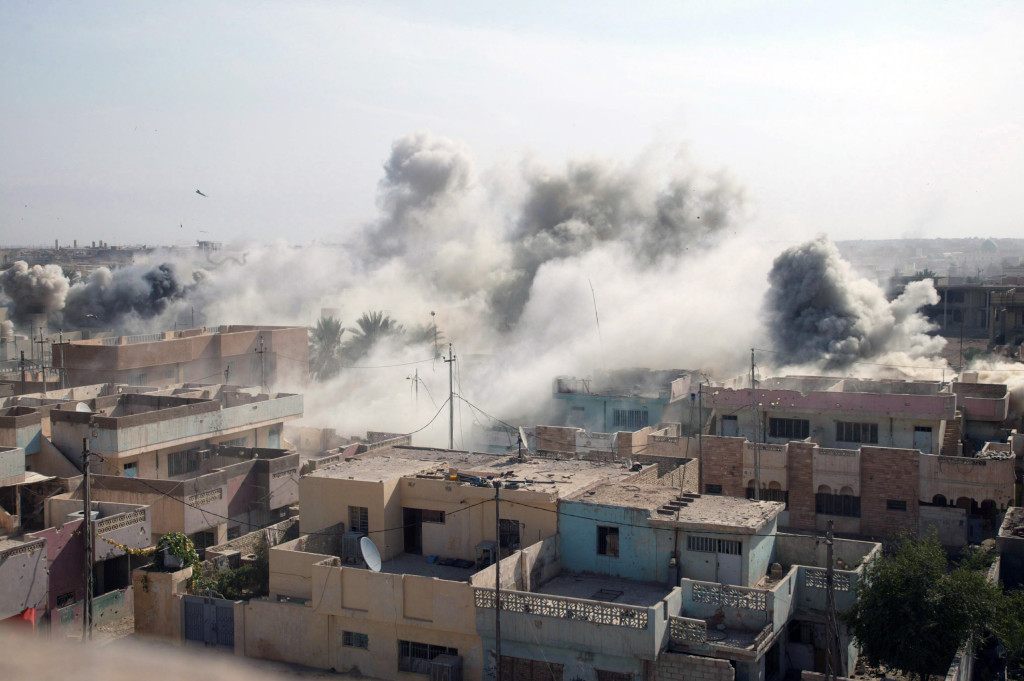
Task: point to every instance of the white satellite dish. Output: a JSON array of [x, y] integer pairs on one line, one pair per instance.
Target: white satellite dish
[[83, 407], [370, 553]]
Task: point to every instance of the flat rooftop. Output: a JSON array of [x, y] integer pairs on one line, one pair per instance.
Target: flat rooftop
[[809, 384], [534, 473], [606, 589], [377, 468], [718, 513]]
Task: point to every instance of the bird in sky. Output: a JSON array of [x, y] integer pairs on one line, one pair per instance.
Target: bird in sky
[[200, 193]]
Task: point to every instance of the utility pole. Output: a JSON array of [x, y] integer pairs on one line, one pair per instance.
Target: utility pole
[[89, 549], [63, 369], [497, 580], [227, 373], [263, 367], [700, 438], [753, 411], [416, 385], [450, 361], [831, 635], [42, 357]]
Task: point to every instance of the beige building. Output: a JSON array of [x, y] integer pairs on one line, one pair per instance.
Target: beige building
[[264, 356]]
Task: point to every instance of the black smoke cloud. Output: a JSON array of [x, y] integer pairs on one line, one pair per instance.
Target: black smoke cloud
[[108, 298], [819, 311]]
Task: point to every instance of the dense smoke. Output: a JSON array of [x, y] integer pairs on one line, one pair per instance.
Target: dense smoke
[[111, 297], [422, 174], [569, 213], [39, 289], [819, 311], [120, 298]]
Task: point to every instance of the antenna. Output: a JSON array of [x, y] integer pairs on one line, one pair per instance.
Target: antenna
[[370, 553]]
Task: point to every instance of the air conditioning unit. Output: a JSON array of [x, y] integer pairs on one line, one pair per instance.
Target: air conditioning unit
[[80, 515], [228, 560], [351, 553], [446, 668]]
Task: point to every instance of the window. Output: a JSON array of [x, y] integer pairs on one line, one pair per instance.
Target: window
[[432, 517], [794, 429], [866, 433], [131, 470], [705, 544], [608, 541], [415, 657], [895, 505], [135, 379], [354, 639], [65, 599], [712, 489], [837, 504], [771, 495], [358, 519], [630, 419], [508, 534], [179, 463], [234, 532]]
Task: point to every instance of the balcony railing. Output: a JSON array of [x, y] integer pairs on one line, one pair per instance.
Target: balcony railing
[[687, 630], [629, 616]]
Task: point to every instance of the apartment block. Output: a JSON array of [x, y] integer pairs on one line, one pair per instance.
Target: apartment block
[[264, 356]]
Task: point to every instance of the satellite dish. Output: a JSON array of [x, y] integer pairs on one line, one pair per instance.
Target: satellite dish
[[370, 553], [83, 407]]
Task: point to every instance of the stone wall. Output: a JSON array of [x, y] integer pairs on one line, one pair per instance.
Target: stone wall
[[680, 667], [888, 474], [556, 439], [800, 474], [723, 458]]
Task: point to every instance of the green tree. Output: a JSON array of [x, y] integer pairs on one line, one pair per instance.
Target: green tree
[[912, 613], [371, 328], [1009, 626], [426, 335], [325, 349], [923, 274]]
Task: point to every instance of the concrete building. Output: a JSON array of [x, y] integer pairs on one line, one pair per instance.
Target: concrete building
[[1010, 545], [42, 550], [871, 491], [225, 353], [167, 434], [233, 490], [839, 413], [624, 400]]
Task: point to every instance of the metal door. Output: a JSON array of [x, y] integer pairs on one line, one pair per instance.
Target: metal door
[[730, 568], [923, 439], [210, 621]]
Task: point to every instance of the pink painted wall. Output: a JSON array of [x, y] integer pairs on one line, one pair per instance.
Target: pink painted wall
[[941, 406]]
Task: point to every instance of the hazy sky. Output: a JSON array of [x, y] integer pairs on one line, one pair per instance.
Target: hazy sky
[[860, 119]]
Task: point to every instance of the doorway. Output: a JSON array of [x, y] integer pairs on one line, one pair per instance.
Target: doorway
[[412, 522]]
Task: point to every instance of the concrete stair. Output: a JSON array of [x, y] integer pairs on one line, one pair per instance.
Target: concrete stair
[[682, 501], [951, 445]]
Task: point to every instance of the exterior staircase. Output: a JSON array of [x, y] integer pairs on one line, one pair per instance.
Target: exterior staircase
[[951, 445], [682, 501]]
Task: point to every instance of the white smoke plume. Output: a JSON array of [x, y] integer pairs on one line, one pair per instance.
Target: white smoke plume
[[39, 289], [819, 311]]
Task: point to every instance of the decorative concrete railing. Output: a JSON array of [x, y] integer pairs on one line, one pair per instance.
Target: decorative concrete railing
[[687, 630], [629, 616], [730, 596], [765, 447], [817, 578], [203, 498], [830, 451], [116, 522], [26, 548]]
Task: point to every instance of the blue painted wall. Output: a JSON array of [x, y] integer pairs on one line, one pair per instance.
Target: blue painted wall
[[643, 551], [599, 411]]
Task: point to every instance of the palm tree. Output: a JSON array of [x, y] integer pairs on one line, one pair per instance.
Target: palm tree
[[325, 348], [371, 328], [426, 334]]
